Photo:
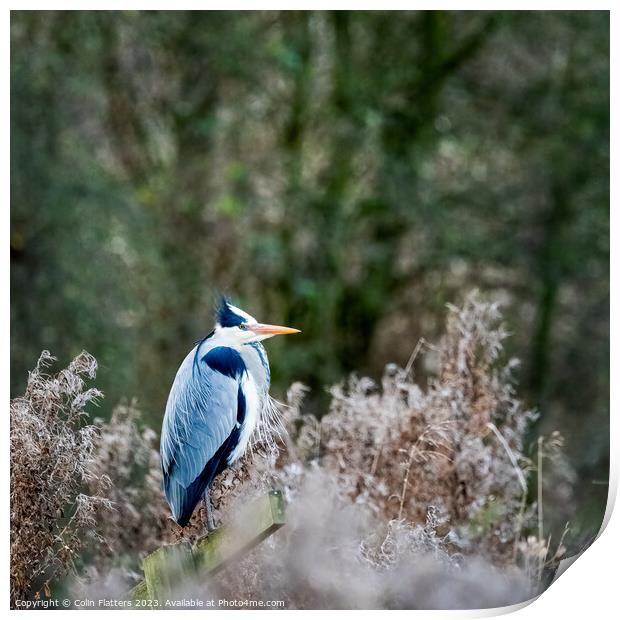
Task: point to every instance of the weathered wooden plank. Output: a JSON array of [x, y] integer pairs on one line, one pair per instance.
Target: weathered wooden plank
[[168, 566], [248, 528], [139, 592]]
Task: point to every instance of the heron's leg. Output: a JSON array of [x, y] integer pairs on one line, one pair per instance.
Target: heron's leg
[[210, 521]]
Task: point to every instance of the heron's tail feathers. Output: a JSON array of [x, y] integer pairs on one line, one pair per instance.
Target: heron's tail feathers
[[183, 499]]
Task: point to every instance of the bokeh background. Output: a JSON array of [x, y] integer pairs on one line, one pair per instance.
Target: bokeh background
[[347, 173]]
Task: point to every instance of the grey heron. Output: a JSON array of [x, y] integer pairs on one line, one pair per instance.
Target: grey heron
[[214, 406]]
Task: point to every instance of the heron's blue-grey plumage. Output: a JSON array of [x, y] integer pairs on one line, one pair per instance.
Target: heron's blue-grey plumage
[[214, 405]]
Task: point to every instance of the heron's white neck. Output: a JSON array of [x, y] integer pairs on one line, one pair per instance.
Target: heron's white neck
[[253, 404]]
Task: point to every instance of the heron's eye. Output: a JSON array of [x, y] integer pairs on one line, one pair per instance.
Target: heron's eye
[[243, 326]]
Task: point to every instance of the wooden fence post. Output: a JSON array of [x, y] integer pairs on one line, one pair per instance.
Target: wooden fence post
[[170, 565]]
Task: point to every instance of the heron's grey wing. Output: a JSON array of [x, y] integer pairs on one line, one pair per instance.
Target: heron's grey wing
[[200, 415]]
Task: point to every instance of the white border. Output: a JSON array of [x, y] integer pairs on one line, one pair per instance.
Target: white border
[[588, 588]]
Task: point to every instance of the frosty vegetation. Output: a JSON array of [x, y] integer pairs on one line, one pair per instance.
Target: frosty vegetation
[[52, 463], [401, 496]]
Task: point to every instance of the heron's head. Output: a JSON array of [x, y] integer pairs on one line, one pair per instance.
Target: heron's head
[[237, 327]]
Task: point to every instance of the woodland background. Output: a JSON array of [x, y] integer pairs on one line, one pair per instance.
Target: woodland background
[[346, 173]]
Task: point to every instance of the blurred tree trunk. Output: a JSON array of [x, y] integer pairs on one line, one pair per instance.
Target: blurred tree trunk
[[298, 42], [567, 178], [549, 269], [177, 206], [35, 153], [296, 28], [407, 135], [124, 123]]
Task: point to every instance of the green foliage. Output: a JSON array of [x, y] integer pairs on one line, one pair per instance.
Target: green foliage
[[344, 172]]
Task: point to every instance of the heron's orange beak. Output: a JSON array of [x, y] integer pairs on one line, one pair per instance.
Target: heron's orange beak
[[273, 330]]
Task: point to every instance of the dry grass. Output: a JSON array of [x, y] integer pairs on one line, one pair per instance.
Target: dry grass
[[52, 461], [137, 520], [413, 474], [455, 444], [402, 495]]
